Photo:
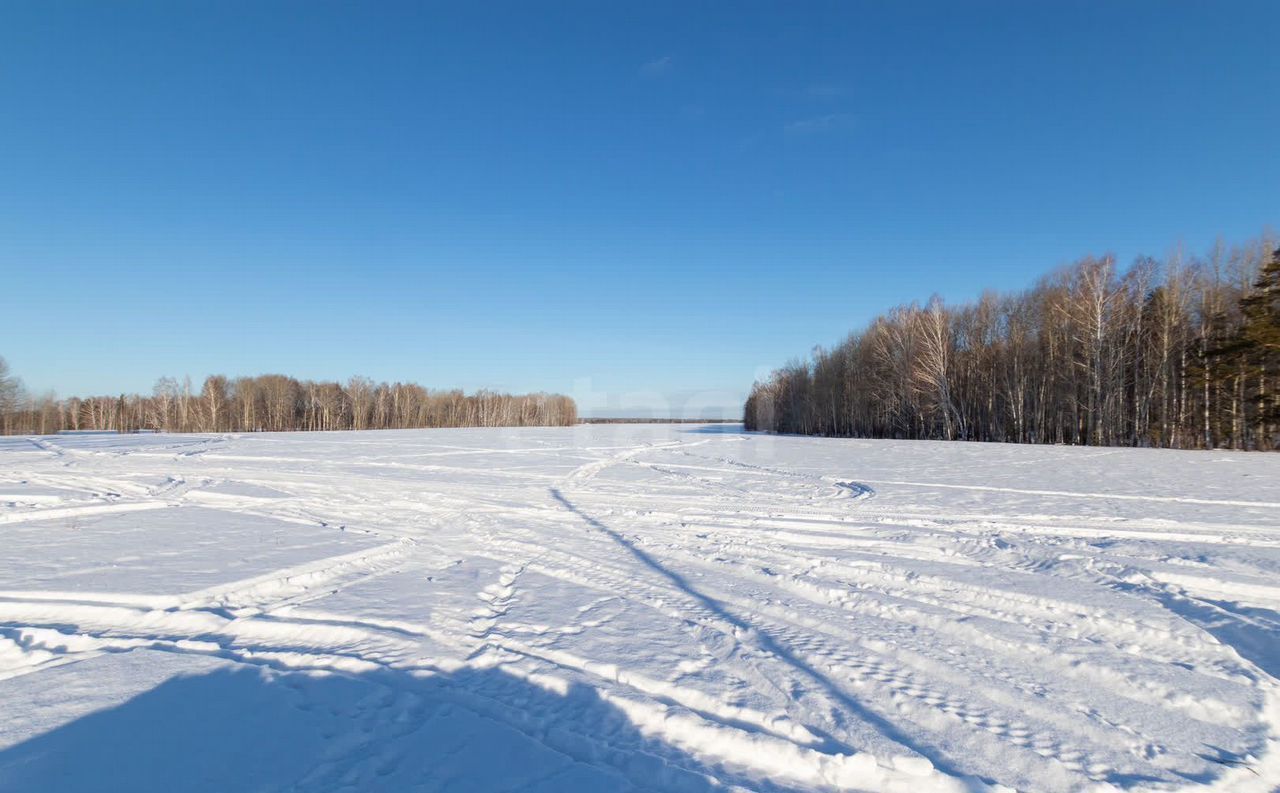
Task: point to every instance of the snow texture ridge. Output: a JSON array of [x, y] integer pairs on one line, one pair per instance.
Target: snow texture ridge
[[614, 607]]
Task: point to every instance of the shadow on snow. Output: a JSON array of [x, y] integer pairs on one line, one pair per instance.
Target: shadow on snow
[[247, 728], [766, 642]]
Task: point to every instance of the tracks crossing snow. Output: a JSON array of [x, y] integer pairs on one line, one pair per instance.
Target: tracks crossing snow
[[767, 613]]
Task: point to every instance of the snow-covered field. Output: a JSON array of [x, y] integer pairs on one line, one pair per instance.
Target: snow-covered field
[[614, 607]]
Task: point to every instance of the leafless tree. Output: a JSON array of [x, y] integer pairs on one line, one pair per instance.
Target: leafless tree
[[276, 402], [1156, 355]]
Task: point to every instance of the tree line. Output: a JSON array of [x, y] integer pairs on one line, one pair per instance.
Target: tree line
[[1180, 353], [274, 403]]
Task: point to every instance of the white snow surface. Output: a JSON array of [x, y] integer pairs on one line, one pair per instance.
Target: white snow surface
[[620, 607]]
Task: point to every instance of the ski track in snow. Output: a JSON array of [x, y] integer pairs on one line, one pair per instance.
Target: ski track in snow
[[620, 607]]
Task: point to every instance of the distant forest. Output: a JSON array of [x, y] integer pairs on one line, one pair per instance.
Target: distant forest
[[275, 402], [1181, 353], [658, 421]]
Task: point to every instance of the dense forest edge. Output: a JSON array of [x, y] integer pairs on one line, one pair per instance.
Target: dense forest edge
[[275, 403], [1180, 353]]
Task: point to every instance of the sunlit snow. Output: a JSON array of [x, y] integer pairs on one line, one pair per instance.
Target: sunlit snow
[[622, 607]]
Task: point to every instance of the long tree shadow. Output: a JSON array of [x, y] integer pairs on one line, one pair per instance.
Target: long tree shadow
[[771, 645], [1252, 631], [247, 729]]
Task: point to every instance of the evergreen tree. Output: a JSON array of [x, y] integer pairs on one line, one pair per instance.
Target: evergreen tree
[[1260, 342]]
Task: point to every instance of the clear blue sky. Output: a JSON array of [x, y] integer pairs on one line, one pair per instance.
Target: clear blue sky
[[602, 199]]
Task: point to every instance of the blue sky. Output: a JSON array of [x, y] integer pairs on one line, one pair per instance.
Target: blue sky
[[642, 204]]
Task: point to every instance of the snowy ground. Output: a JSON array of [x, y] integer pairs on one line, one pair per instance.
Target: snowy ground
[[615, 607]]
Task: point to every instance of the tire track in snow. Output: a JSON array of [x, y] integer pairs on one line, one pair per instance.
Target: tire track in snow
[[1081, 495], [769, 645], [87, 511], [215, 611], [968, 714], [1070, 757], [956, 657]]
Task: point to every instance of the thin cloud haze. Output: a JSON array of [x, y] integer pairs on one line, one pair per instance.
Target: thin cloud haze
[[658, 66], [829, 122]]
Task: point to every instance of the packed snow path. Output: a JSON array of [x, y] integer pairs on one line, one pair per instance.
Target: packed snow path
[[621, 607]]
